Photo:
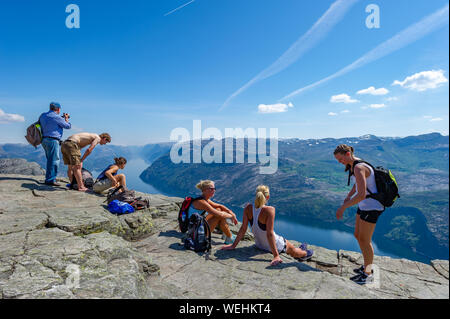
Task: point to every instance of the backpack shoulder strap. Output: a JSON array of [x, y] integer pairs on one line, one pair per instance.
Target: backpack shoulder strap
[[351, 170], [209, 233], [197, 198]]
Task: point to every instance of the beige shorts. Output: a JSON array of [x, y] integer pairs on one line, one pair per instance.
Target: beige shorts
[[102, 185], [71, 153]]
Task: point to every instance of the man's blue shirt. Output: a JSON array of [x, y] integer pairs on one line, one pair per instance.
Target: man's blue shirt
[[53, 124]]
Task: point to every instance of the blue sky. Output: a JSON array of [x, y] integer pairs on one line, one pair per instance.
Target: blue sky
[[138, 69]]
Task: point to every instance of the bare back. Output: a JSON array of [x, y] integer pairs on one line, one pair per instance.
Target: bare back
[[84, 139]]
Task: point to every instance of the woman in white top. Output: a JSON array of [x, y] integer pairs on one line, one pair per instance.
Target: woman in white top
[[369, 209], [261, 219]]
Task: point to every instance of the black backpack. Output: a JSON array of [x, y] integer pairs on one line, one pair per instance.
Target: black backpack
[[198, 234], [386, 184], [88, 180], [183, 213]]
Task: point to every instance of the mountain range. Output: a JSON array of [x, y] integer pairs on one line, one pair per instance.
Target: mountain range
[[102, 156], [310, 185]]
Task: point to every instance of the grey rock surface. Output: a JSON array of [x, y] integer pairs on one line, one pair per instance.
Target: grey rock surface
[[57, 243], [20, 166]]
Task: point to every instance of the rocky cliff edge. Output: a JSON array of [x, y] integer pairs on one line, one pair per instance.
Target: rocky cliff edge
[[56, 243]]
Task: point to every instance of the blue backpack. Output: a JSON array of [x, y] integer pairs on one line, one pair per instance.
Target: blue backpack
[[119, 208]]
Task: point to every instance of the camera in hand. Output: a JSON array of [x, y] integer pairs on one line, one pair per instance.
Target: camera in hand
[[64, 115]]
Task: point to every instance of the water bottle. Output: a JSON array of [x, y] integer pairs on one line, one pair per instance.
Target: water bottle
[[183, 216], [201, 233]]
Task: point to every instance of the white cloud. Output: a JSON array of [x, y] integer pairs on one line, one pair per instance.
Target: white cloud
[[10, 118], [342, 98], [392, 98], [332, 114], [274, 108], [345, 111], [373, 91], [423, 81], [377, 106], [436, 119]]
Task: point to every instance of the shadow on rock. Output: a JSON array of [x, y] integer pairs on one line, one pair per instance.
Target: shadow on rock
[[171, 233], [43, 187], [241, 254], [19, 179], [300, 266], [245, 254], [177, 246]]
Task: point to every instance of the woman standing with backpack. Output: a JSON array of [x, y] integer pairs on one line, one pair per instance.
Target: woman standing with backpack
[[109, 177], [369, 209]]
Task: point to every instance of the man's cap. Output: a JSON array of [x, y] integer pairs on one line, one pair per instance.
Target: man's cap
[[55, 105]]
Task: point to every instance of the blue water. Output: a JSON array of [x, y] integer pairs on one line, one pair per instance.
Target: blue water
[[327, 238], [290, 229]]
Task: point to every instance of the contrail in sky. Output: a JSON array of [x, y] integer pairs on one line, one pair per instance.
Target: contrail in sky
[[316, 33], [180, 7], [409, 35]]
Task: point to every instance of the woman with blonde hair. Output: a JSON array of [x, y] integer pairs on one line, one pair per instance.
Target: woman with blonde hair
[[261, 218], [217, 213]]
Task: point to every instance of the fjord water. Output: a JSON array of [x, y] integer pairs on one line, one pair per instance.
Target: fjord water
[[290, 229]]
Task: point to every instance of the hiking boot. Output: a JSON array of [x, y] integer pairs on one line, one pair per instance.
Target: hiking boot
[[230, 240], [363, 279], [309, 253], [359, 270], [303, 246]]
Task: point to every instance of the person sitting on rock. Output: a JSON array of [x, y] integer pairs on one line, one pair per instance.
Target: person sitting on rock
[[109, 177], [261, 219], [217, 213]]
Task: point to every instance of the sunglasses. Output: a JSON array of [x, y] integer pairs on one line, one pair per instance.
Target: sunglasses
[[211, 188]]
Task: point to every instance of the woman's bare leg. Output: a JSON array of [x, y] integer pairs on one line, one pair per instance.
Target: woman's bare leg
[[214, 221], [366, 230], [122, 180], [294, 251]]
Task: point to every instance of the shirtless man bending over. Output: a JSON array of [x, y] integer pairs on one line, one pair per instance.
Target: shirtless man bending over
[[71, 151]]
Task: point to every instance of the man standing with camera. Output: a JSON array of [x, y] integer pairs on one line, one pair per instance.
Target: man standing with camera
[[52, 130]]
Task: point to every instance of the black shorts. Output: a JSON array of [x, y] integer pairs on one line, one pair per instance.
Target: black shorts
[[370, 216]]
